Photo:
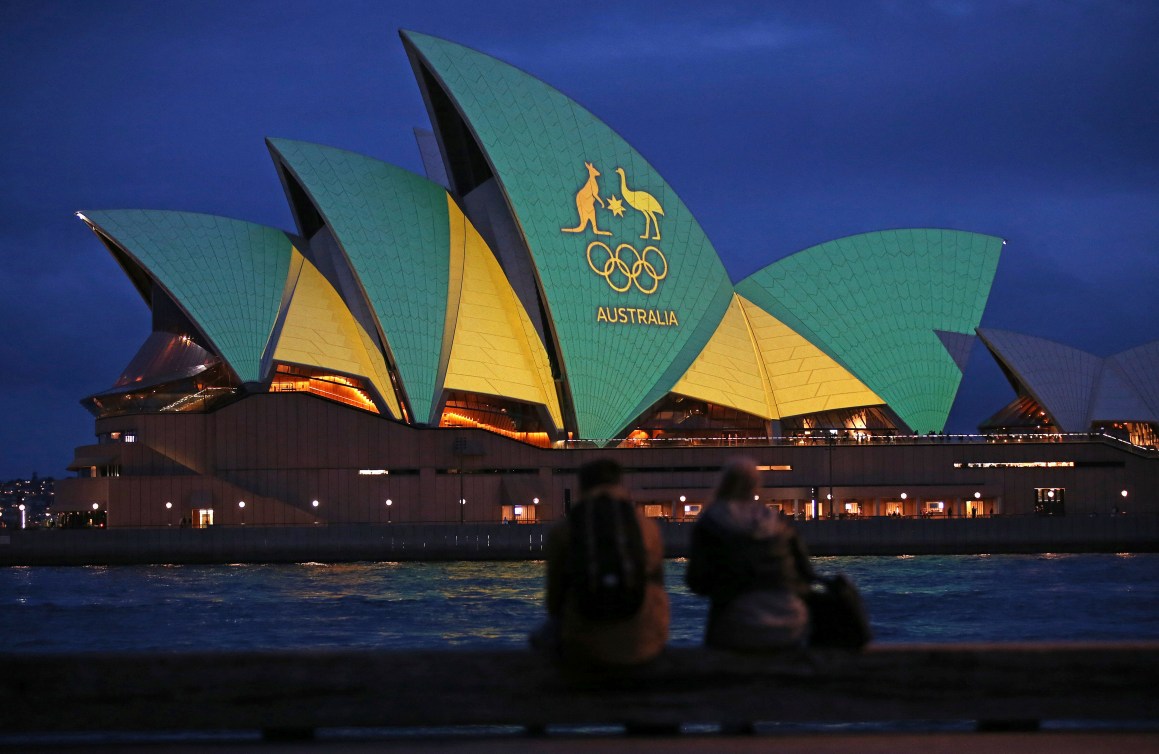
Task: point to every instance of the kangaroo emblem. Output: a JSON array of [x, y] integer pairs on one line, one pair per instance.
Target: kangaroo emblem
[[585, 203]]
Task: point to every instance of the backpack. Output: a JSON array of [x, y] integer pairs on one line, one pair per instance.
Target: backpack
[[607, 571]]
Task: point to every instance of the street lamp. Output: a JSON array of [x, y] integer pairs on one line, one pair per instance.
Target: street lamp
[[462, 510], [832, 441], [22, 514], [241, 505], [389, 503], [168, 508]]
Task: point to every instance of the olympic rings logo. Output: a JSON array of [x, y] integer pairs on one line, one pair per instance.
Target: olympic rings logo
[[621, 275]]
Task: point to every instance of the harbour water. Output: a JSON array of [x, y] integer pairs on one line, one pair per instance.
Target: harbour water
[[962, 598]]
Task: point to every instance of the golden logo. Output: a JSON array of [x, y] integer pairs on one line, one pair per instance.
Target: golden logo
[[585, 204], [644, 203], [620, 275], [643, 269]]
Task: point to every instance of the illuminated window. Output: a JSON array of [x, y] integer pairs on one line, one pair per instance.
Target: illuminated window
[[1050, 501]]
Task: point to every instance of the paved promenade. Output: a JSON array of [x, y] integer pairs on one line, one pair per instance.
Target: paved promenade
[[1046, 742]]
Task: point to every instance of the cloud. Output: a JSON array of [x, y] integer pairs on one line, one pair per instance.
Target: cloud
[[670, 40]]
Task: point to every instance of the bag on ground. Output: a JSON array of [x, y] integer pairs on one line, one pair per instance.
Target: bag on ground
[[837, 615]]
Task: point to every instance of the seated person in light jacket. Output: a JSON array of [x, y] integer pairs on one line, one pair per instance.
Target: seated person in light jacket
[[751, 565]]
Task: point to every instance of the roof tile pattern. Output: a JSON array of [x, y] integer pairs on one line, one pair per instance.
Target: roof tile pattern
[[319, 331], [539, 143], [1077, 388], [496, 350], [227, 275], [393, 227], [1060, 378], [874, 303], [728, 372], [802, 378], [1140, 368]]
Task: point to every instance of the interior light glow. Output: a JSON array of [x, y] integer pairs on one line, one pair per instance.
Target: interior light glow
[[373, 472], [1016, 465]]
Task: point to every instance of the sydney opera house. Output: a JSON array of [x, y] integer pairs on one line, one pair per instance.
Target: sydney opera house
[[452, 347]]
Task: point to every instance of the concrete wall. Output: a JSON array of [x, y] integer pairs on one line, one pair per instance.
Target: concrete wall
[[278, 453]]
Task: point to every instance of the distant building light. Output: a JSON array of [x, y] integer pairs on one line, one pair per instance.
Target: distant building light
[[314, 503], [373, 472], [241, 504], [518, 510], [904, 496], [775, 467], [1015, 465], [1123, 493]]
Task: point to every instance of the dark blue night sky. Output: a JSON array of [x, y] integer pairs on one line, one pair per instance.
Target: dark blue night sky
[[781, 125]]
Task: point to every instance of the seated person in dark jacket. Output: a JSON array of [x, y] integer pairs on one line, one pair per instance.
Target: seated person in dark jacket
[[584, 638], [751, 565]]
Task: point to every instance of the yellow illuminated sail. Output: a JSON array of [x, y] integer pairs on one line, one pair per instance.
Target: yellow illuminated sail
[[319, 331], [496, 350]]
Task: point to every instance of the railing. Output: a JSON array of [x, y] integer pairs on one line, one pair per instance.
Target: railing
[[822, 439], [994, 686]]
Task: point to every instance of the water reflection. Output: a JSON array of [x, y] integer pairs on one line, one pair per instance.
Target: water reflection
[[422, 605]]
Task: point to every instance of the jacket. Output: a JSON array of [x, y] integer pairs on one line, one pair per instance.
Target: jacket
[[619, 642], [754, 569]]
